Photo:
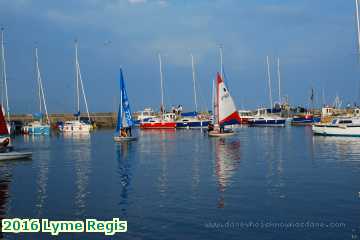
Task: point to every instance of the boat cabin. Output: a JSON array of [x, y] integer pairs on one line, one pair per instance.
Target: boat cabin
[[327, 111], [169, 117]]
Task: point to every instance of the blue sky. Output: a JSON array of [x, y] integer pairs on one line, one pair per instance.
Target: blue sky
[[315, 40]]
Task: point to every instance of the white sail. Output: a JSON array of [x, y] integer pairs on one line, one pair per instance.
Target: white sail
[[226, 109]]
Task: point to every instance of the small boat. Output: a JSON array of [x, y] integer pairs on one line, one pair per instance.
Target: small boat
[[39, 126], [263, 119], [124, 120], [344, 126], [77, 125], [225, 112], [6, 150], [166, 120]]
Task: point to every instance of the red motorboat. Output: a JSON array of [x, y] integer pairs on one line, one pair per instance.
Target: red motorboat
[[166, 122], [157, 125]]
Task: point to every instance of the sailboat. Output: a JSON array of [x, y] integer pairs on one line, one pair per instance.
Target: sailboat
[[166, 120], [225, 112], [262, 118], [77, 125], [4, 83], [192, 119], [39, 126], [124, 120]]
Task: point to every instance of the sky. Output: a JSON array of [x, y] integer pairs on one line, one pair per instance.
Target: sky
[[316, 42]]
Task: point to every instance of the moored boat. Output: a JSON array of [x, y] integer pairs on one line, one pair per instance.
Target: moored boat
[[166, 120], [77, 125], [343, 126], [41, 126], [263, 119]]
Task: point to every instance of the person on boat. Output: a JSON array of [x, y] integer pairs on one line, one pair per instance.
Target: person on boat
[[128, 131], [123, 132], [222, 128], [210, 127]]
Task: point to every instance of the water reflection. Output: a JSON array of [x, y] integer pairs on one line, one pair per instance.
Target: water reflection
[[42, 158], [343, 150], [159, 143], [275, 160], [124, 160], [5, 179], [80, 145], [227, 161]]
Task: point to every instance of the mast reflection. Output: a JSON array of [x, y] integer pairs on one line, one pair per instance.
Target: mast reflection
[[227, 161]]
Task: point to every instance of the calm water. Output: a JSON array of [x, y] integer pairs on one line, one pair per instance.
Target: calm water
[[184, 185]]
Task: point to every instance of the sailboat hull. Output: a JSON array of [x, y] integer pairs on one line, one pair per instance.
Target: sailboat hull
[[76, 127], [216, 133], [124, 139], [36, 129]]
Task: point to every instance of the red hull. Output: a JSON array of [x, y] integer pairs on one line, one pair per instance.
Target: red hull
[[158, 125]]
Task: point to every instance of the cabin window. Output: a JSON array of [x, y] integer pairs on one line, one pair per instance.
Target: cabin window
[[345, 121]]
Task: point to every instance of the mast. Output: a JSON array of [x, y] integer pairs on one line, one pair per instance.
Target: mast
[[77, 78], [357, 24], [79, 83], [357, 28], [221, 62], [279, 78], [41, 88], [161, 85], [269, 81], [4, 75], [121, 102], [194, 81]]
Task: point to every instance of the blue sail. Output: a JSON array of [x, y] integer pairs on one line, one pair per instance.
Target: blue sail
[[124, 113]]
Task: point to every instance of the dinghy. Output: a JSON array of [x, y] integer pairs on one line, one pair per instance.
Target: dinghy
[[225, 112], [6, 150], [124, 120]]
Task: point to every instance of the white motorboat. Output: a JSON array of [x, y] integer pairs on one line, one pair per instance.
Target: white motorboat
[[349, 126]]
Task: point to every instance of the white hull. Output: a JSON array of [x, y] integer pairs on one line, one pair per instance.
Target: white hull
[[327, 130], [215, 133], [76, 127], [15, 155], [124, 139]]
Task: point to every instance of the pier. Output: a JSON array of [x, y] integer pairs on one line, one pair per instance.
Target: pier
[[102, 120]]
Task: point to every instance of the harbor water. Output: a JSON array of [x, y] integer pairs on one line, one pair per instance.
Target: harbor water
[[262, 183]]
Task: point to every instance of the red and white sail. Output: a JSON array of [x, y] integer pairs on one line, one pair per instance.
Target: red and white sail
[[226, 113]]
